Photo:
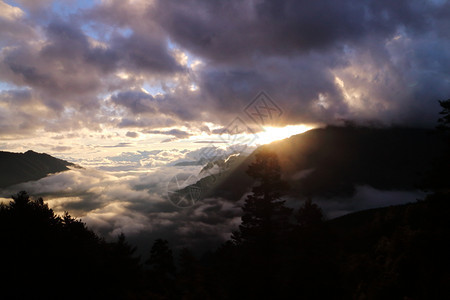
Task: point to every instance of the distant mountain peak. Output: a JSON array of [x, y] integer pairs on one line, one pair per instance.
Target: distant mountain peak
[[332, 162], [29, 166]]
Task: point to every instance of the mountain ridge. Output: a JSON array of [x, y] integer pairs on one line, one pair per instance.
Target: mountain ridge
[[333, 161], [17, 168]]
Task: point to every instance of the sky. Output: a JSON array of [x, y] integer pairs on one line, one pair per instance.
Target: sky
[[79, 76], [127, 87]]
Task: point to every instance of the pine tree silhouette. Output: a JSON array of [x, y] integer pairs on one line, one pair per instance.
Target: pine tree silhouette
[[444, 121], [309, 214], [265, 229], [438, 179], [162, 268], [190, 278], [266, 218], [45, 256]]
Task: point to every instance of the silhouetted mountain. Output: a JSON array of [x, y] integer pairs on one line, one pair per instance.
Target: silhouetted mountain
[[396, 252], [22, 167], [332, 161]]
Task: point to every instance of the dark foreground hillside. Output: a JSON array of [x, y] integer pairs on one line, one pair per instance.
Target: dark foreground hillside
[[45, 256], [22, 167], [398, 252]]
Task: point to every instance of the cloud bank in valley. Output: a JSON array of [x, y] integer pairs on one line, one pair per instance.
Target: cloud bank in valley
[[130, 195], [136, 203]]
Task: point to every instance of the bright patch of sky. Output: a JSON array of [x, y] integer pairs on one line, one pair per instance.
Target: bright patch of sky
[[7, 86], [155, 89], [191, 60], [66, 8]]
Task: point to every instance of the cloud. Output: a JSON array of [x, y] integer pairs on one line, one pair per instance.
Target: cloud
[[119, 145], [61, 148], [65, 70], [13, 25], [176, 133], [59, 70], [365, 197], [144, 53], [136, 204], [296, 49], [132, 134], [210, 142], [9, 12], [147, 158], [163, 64], [137, 101], [238, 30]]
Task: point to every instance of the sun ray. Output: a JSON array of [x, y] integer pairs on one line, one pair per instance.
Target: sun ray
[[271, 134]]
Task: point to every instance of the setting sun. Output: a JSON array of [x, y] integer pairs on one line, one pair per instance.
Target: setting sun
[[271, 134]]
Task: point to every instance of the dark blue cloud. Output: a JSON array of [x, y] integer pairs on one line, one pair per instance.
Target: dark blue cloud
[[321, 61]]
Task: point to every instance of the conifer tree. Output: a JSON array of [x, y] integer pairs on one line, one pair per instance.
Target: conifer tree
[[265, 218]]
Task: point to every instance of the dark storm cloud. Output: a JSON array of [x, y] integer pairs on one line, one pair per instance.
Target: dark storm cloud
[[131, 121], [58, 73], [321, 61], [295, 49], [136, 39], [119, 13], [294, 85], [132, 134], [179, 134], [230, 30], [144, 53], [137, 101], [65, 70], [175, 107], [69, 64], [16, 96]]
